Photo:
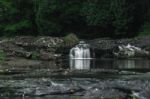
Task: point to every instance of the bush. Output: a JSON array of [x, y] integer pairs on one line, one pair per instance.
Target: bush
[[71, 39]]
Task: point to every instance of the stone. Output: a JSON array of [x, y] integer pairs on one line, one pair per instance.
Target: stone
[[104, 47], [46, 56], [130, 51]]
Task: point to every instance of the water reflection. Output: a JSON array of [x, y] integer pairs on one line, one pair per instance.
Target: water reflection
[[109, 64], [80, 63], [133, 64]]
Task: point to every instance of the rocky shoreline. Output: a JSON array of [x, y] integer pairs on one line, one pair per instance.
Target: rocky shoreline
[[34, 67], [105, 46], [125, 87], [47, 48]]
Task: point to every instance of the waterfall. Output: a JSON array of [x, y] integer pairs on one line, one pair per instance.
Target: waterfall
[[80, 56], [80, 51]]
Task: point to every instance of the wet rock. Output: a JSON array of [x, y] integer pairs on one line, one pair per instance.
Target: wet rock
[[87, 88], [106, 93], [145, 94]]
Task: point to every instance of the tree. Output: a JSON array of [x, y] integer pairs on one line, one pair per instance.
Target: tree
[[85, 18], [17, 17], [58, 17]]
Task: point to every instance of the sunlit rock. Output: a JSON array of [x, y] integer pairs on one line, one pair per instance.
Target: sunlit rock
[[129, 51]]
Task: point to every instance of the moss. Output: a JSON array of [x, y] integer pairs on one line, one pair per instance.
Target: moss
[[2, 55], [35, 55]]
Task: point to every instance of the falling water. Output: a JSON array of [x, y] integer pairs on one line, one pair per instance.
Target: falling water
[[80, 56]]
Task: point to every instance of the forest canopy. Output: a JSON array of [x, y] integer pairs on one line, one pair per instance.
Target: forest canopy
[[85, 18]]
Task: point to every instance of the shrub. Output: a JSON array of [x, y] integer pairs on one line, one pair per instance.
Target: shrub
[[71, 39]]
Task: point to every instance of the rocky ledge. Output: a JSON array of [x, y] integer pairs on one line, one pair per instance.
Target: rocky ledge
[[105, 47], [31, 68], [49, 48], [44, 48], [121, 87]]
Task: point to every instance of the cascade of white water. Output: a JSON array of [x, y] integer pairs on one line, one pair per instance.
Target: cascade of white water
[[80, 56], [80, 51]]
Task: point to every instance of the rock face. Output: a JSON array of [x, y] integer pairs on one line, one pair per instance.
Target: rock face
[[38, 41], [32, 52], [44, 48], [81, 88], [49, 48], [104, 47], [130, 51]]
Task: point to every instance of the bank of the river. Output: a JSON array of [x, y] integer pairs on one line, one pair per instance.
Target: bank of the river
[[51, 48], [33, 67], [85, 84], [105, 46]]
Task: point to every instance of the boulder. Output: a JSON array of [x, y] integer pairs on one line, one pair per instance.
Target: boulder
[[129, 51], [104, 47]]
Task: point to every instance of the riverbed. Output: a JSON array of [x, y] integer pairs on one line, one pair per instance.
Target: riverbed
[[105, 78]]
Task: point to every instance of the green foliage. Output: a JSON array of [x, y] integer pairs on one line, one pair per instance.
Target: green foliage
[[86, 18], [114, 18], [35, 55], [56, 17], [12, 29], [47, 23], [70, 39], [146, 30], [16, 17], [2, 55], [146, 27], [96, 12]]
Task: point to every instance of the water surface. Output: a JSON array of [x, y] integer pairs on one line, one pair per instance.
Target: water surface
[[121, 64]]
